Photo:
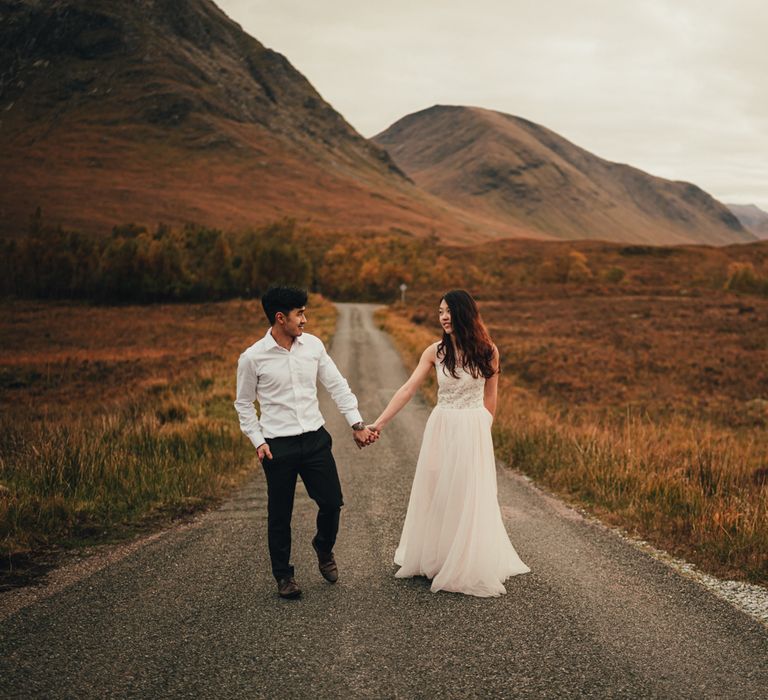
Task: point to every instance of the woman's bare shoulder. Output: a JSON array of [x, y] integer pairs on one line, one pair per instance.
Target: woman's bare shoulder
[[430, 353]]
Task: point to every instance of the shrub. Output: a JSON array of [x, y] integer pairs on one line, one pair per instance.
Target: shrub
[[571, 267], [614, 275], [742, 277]]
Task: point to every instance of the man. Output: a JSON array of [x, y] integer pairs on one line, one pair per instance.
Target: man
[[281, 372]]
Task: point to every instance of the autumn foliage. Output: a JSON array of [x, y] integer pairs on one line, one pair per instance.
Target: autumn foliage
[[136, 265], [197, 263]]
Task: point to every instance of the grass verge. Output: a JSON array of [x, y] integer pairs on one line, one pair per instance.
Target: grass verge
[[75, 472], [693, 487]]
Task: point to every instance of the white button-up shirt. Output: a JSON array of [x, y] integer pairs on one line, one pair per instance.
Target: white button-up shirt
[[285, 384]]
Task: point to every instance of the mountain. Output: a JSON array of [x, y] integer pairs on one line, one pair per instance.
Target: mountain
[[752, 218], [115, 111], [513, 170], [118, 111]]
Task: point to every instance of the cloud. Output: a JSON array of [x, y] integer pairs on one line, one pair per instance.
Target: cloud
[[670, 86]]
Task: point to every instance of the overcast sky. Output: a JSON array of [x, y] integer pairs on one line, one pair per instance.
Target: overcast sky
[[675, 87]]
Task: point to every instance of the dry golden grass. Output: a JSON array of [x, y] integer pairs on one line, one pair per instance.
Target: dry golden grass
[[118, 418], [540, 269], [650, 412]]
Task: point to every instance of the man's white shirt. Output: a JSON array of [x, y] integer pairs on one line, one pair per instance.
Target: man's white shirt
[[284, 382]]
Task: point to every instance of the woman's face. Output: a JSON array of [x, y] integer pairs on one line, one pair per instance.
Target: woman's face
[[444, 314]]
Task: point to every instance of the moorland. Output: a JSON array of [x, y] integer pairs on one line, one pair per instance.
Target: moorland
[[647, 410], [117, 420], [633, 383]]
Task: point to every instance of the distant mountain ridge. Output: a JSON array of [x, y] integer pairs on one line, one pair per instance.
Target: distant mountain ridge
[[117, 111], [512, 169], [165, 110], [752, 218]]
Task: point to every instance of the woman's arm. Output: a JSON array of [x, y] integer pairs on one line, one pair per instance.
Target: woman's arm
[[405, 393], [492, 385]]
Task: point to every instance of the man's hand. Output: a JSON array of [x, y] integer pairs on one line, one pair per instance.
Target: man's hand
[[364, 437], [262, 452]]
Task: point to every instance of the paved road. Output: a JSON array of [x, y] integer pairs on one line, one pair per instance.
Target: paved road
[[193, 612]]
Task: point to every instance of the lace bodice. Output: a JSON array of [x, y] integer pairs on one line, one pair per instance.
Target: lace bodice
[[464, 392]]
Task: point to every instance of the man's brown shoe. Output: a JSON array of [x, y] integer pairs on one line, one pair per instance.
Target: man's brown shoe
[[288, 588], [327, 564]]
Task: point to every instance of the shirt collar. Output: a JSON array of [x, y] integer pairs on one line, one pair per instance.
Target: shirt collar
[[272, 343]]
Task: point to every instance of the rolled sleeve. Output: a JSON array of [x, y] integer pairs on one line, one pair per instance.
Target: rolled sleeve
[[247, 379], [338, 388]]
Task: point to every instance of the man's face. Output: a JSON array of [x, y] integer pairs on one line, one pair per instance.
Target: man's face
[[293, 322]]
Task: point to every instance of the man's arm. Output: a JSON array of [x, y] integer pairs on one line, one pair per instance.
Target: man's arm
[[244, 401], [340, 392], [338, 388]]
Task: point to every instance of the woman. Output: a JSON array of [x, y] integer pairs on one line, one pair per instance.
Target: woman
[[453, 531]]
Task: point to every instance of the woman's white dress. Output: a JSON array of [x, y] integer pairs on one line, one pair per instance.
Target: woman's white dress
[[453, 531]]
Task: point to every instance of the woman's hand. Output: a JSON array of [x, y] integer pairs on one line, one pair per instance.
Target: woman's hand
[[365, 437]]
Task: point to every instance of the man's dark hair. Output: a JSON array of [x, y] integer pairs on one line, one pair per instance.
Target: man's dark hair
[[283, 299]]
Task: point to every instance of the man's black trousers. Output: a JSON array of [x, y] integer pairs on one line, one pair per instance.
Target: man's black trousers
[[307, 455]]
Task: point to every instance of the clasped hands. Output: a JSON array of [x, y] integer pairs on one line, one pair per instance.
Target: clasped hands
[[363, 438], [366, 436]]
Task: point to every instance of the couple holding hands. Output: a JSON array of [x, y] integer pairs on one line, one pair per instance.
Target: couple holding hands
[[453, 531]]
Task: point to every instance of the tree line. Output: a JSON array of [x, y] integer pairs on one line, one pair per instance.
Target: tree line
[[197, 263]]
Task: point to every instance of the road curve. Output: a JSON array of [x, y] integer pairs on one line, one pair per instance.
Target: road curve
[[193, 612]]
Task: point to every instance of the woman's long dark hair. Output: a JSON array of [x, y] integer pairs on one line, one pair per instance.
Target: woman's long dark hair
[[472, 339]]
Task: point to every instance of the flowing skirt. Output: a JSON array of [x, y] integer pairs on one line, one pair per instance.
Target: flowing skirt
[[453, 531]]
